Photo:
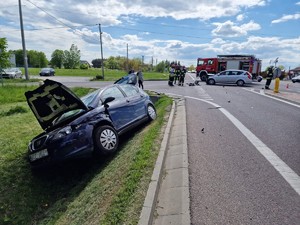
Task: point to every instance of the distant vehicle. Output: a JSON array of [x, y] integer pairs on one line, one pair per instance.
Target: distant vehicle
[[11, 73], [220, 63], [296, 79], [239, 77], [47, 72], [79, 127]]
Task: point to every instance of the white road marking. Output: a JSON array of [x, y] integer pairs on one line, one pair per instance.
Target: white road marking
[[286, 172], [261, 92]]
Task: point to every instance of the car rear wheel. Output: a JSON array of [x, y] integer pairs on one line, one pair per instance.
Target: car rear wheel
[[106, 140], [240, 83], [151, 112], [211, 81]]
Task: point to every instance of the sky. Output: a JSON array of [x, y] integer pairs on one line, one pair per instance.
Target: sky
[[157, 30]]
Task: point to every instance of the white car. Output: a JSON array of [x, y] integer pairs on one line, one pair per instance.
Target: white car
[[296, 79], [12, 73], [239, 77]]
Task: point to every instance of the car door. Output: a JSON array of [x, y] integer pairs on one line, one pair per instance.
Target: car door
[[120, 110], [136, 99], [221, 77], [233, 76]]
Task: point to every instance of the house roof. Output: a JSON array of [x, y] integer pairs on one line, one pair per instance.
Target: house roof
[[297, 69]]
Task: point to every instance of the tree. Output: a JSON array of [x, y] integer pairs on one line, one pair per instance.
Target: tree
[[160, 67], [4, 55], [57, 58], [36, 59], [19, 57], [72, 58], [96, 63], [111, 63]]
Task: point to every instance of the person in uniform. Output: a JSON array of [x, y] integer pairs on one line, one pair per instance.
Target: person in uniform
[[182, 76], [269, 77], [177, 74]]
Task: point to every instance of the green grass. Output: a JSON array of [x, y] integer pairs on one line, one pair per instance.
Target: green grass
[[94, 191], [109, 75]]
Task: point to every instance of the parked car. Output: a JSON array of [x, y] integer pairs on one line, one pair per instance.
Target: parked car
[[296, 79], [11, 73], [75, 127], [47, 72], [239, 77]]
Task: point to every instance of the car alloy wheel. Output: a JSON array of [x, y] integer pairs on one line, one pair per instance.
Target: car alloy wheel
[[151, 112], [106, 139]]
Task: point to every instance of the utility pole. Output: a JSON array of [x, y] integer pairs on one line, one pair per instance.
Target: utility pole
[[23, 42], [102, 62], [127, 60]]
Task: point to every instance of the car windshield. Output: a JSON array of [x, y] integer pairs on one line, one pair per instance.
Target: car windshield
[[87, 100], [45, 69]]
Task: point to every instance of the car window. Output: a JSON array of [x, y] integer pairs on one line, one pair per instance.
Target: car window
[[233, 73], [112, 92], [129, 90], [222, 73]]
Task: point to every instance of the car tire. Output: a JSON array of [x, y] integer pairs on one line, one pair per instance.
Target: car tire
[[293, 81], [151, 112], [106, 140], [240, 83], [211, 81]]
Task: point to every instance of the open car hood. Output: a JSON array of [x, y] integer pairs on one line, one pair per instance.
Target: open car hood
[[50, 101]]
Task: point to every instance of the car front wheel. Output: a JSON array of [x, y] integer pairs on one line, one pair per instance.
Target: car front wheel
[[151, 112], [211, 81], [106, 140]]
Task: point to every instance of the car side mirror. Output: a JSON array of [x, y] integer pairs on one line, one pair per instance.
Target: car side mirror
[[107, 100]]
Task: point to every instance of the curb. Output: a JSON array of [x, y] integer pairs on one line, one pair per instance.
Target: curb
[[283, 98], [147, 213]]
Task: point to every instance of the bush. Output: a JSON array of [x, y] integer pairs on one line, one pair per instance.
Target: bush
[[84, 66]]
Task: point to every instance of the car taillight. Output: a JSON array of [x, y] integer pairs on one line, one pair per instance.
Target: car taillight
[[249, 75]]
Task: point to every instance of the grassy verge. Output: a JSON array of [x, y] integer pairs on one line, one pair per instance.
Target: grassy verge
[[94, 191], [109, 75]]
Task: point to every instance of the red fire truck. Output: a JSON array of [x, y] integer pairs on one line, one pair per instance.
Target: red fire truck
[[207, 66]]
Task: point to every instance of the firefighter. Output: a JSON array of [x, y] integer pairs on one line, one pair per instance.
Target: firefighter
[[171, 77], [269, 77], [182, 76], [177, 74]]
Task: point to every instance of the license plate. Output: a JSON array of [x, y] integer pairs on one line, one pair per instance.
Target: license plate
[[38, 155]]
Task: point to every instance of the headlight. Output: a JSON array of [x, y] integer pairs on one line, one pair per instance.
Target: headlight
[[63, 132]]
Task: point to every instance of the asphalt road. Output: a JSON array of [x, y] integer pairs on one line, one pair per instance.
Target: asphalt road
[[237, 165], [231, 182]]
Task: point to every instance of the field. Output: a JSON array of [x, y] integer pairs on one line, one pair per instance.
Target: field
[[98, 190], [109, 75]]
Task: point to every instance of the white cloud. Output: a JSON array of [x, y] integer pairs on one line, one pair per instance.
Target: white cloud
[[230, 29], [287, 18], [240, 17]]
